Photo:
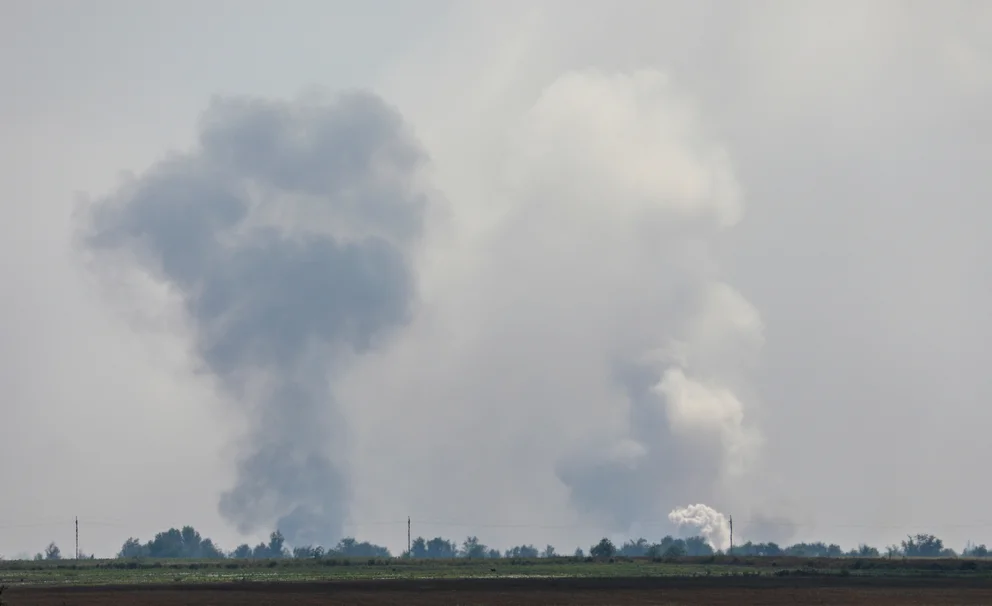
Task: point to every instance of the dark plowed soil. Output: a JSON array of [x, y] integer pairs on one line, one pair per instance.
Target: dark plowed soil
[[665, 591]]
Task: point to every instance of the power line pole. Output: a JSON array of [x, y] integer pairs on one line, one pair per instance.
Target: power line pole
[[409, 554], [731, 534], [77, 537]]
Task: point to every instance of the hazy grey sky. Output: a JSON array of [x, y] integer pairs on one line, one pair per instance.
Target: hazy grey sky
[[676, 252]]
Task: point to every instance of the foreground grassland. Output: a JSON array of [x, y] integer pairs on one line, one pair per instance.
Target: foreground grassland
[[122, 572]]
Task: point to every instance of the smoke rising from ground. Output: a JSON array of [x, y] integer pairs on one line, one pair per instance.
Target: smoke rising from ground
[[287, 234], [624, 163], [584, 356], [587, 318], [702, 520]]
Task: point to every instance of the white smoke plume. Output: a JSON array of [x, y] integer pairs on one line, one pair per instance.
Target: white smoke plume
[[639, 192], [702, 520]]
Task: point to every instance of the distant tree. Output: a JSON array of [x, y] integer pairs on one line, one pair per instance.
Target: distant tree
[[522, 552], [277, 545], [210, 551], [173, 543], [38, 557], [746, 549], [168, 544], [306, 552], [658, 549], [865, 551], [893, 550], [807, 550], [132, 548], [675, 550], [52, 552], [346, 546], [191, 541], [418, 549], [472, 548], [922, 546], [976, 551], [763, 549], [549, 552], [494, 554], [604, 549], [349, 547], [275, 548], [634, 549], [671, 547], [697, 546], [242, 552], [438, 548], [579, 553]]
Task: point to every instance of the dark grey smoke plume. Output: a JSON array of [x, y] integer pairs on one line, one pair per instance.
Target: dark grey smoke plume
[[288, 234]]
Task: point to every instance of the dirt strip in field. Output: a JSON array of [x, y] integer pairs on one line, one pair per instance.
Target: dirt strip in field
[[661, 591]]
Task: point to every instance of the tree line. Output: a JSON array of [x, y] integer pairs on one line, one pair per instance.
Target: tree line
[[188, 543]]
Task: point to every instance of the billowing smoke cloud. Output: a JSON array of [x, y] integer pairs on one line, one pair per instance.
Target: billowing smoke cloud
[[287, 233], [702, 520], [584, 321], [638, 191], [582, 355]]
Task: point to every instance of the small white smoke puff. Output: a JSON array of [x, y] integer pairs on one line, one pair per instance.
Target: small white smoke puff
[[704, 521]]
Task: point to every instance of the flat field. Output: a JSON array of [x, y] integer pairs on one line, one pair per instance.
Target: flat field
[[723, 580]]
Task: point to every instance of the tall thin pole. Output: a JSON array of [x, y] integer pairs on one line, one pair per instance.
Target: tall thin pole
[[409, 554], [77, 537], [731, 534]]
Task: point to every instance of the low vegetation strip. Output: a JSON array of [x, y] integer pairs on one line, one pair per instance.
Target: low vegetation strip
[[146, 571]]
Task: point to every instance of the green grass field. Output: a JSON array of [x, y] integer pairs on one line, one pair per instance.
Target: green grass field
[[109, 572]]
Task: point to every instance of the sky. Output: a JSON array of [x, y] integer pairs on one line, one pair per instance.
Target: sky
[[606, 260]]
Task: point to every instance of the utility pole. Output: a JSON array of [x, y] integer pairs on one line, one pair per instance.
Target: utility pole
[[731, 534], [408, 546], [77, 537]]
